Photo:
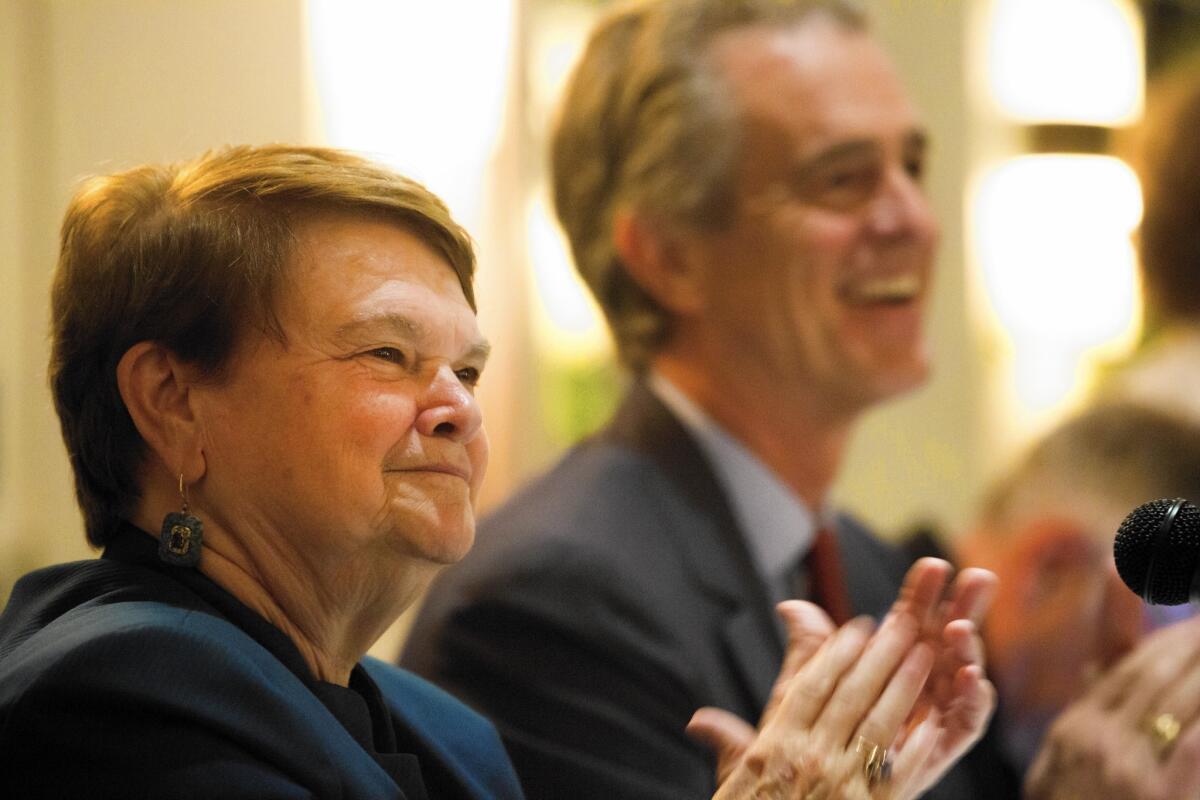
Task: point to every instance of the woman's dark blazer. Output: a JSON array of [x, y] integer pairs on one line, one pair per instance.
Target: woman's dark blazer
[[118, 681]]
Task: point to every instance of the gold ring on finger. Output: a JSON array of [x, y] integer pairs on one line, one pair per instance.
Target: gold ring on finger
[[1163, 730], [877, 765]]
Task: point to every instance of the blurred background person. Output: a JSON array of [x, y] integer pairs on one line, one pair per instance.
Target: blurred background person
[[1062, 616], [1133, 735], [1164, 371]]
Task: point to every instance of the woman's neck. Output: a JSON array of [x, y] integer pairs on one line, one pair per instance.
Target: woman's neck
[[332, 620]]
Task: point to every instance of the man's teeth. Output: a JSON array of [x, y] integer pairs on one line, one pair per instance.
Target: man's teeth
[[886, 290]]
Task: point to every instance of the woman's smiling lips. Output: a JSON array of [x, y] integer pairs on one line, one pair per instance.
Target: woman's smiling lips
[[438, 468]]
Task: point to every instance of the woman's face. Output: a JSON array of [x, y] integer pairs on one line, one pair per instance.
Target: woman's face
[[358, 440]]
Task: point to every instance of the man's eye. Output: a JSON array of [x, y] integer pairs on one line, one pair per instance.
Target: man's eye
[[915, 167], [468, 375], [845, 188], [850, 179]]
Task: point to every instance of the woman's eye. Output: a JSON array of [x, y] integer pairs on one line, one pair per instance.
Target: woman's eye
[[468, 375], [390, 354]]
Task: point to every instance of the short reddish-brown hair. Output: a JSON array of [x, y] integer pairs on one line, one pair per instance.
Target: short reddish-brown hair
[[191, 255]]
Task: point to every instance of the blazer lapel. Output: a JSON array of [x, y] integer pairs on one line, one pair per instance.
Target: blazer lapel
[[756, 664], [709, 541]]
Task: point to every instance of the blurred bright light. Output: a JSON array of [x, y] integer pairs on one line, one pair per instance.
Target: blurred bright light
[[1075, 61], [1053, 237], [419, 85], [554, 46], [568, 324]]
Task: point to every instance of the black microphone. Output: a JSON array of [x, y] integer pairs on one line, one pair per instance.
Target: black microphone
[[1157, 551]]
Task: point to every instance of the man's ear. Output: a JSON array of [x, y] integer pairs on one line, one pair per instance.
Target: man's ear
[[156, 388], [660, 262]]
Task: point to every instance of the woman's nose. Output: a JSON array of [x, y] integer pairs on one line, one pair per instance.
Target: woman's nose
[[449, 408]]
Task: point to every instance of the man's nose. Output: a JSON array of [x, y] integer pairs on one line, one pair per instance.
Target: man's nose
[[901, 208], [449, 408]]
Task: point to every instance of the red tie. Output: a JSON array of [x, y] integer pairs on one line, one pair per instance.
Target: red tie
[[828, 587]]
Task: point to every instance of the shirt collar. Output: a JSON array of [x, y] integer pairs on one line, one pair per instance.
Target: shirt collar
[[778, 527]]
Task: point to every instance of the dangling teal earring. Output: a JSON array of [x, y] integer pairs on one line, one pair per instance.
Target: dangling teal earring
[[182, 535]]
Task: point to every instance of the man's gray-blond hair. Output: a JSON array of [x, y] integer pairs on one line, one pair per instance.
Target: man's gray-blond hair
[[646, 124]]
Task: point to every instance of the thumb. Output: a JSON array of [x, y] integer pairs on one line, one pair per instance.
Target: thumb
[[728, 735]]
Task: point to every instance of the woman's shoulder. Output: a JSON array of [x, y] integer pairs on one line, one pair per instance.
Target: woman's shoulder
[[138, 682], [96, 623], [53, 596]]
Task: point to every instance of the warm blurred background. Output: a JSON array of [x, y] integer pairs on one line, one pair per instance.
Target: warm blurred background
[[1029, 102]]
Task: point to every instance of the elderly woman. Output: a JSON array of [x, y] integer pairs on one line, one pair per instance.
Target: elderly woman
[[264, 363]]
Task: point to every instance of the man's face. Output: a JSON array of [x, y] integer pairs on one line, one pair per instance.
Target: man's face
[[1061, 614], [821, 280], [358, 443]]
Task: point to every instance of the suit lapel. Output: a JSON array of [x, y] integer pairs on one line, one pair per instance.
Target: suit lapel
[[755, 654], [870, 583], [709, 540]]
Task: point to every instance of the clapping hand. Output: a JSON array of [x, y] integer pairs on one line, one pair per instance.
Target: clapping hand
[[863, 713]]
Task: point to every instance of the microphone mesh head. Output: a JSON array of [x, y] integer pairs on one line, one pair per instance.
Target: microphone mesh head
[[1174, 558]]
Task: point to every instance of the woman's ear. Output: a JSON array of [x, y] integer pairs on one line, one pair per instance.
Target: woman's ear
[[156, 388], [660, 262]]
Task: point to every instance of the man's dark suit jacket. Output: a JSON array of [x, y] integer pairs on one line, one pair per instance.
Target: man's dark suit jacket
[[607, 602], [117, 681]]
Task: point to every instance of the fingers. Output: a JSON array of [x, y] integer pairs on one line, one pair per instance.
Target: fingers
[[963, 642], [961, 646], [974, 700], [835, 685], [1144, 667], [972, 595], [1159, 667], [921, 594], [910, 772], [1182, 698], [1102, 746], [1181, 771], [813, 685], [884, 719], [807, 627], [862, 686], [726, 734], [720, 729]]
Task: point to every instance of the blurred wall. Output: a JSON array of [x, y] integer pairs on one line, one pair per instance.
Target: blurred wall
[[918, 458], [92, 86]]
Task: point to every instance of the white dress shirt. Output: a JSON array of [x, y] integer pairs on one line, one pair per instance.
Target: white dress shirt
[[778, 526]]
